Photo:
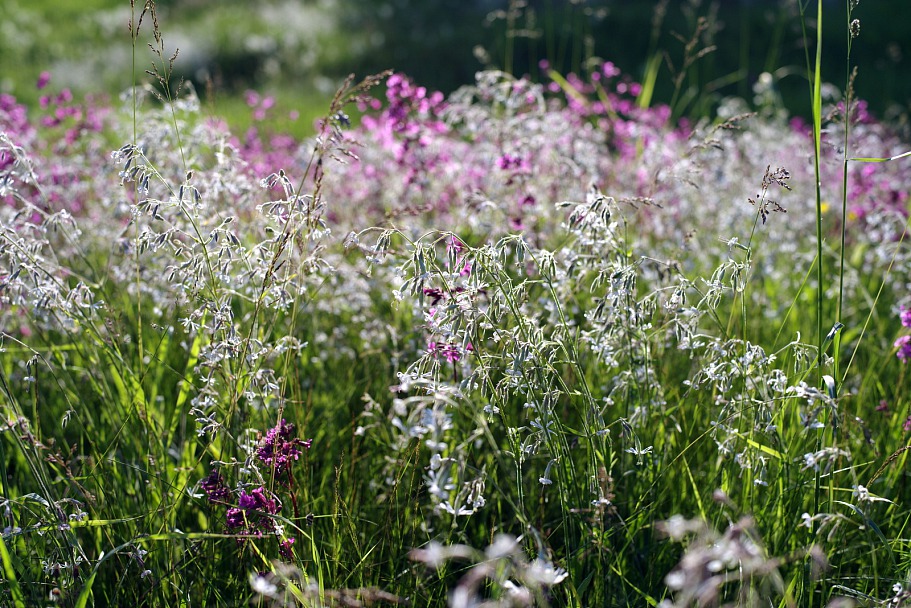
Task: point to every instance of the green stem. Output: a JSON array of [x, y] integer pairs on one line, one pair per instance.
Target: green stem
[[844, 193]]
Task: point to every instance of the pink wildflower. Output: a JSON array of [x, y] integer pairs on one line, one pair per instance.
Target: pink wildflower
[[279, 448], [903, 344], [285, 548], [905, 316]]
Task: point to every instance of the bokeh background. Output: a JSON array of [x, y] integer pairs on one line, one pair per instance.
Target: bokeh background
[[298, 50]]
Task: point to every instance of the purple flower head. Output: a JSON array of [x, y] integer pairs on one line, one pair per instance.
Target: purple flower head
[[235, 518], [907, 425], [246, 501], [285, 549], [279, 448], [905, 316], [264, 502], [259, 500], [214, 487], [455, 244], [43, 79], [451, 352], [903, 344]]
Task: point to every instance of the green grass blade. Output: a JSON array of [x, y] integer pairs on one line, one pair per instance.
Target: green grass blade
[[86, 593], [868, 159], [648, 82], [10, 574]]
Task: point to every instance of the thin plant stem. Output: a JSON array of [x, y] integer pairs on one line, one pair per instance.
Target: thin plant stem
[[844, 192]]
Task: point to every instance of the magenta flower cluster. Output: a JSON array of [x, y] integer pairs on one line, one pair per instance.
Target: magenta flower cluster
[[408, 127], [253, 515], [279, 448], [253, 512], [61, 135], [408, 102]]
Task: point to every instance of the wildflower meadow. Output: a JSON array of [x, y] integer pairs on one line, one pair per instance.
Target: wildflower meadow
[[541, 341]]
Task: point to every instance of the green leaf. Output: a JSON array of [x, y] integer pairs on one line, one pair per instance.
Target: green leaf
[[870, 159]]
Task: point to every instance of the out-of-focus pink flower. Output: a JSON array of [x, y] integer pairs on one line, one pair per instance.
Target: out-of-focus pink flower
[[610, 70], [903, 344], [905, 316]]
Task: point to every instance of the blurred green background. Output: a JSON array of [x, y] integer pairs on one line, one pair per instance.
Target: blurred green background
[[298, 50]]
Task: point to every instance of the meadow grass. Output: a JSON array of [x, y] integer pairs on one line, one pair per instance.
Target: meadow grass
[[525, 344]]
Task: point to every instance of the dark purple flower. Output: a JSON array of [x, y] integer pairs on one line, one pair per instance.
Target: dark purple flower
[[247, 501], [43, 79], [235, 518], [214, 487], [279, 448], [434, 294], [264, 503]]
